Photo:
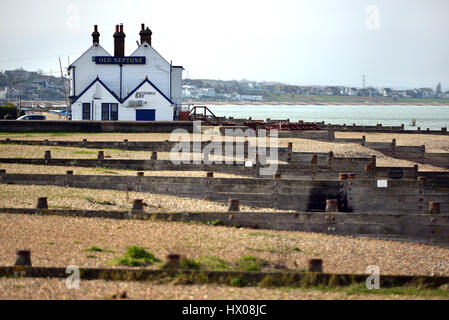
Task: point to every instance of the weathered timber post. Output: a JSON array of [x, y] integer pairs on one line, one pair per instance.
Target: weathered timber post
[[343, 176], [234, 205], [434, 208], [315, 265], [42, 203], [138, 205], [173, 261], [352, 176], [23, 258]]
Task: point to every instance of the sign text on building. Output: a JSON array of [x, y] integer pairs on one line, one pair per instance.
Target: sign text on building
[[142, 94], [119, 60]]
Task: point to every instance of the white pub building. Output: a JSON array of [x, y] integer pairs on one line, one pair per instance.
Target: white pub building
[[142, 86]]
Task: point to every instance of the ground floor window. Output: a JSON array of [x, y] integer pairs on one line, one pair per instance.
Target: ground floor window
[[86, 111], [114, 111], [109, 111]]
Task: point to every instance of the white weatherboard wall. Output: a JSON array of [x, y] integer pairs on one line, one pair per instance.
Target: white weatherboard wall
[[96, 95], [156, 69], [151, 99], [176, 86], [113, 83], [87, 71]]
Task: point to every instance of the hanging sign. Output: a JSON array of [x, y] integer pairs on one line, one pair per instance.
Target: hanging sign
[[119, 60]]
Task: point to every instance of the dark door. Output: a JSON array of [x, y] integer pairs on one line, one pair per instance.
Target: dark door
[[146, 115], [86, 111]]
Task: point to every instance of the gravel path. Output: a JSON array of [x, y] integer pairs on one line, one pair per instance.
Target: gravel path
[[25, 196], [299, 145], [41, 169], [98, 289], [62, 241]]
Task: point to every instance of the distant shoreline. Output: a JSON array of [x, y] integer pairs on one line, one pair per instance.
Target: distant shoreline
[[374, 102], [312, 103]]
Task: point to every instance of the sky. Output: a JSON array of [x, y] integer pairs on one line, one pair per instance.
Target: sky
[[395, 43]]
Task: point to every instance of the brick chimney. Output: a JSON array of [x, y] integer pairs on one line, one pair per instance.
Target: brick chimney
[[145, 35], [119, 41], [95, 35]]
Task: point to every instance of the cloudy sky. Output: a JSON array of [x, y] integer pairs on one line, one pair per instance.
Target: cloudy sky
[[395, 43]]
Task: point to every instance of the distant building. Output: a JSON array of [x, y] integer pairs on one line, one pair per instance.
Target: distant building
[[3, 92], [250, 98], [142, 86], [206, 92], [350, 91], [235, 96], [224, 96]]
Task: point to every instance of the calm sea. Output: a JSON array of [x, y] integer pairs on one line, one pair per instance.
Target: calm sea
[[433, 117]]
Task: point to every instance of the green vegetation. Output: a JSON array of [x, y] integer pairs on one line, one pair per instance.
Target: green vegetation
[[135, 256], [91, 256], [189, 264], [325, 99], [251, 263], [213, 263], [10, 110], [49, 243], [104, 203], [412, 291], [102, 170], [216, 222], [95, 249], [206, 263], [238, 282]]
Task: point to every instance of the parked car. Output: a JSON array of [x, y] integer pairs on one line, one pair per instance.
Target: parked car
[[32, 117]]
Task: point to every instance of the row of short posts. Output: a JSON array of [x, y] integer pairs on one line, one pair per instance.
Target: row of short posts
[[234, 204], [347, 176], [23, 258]]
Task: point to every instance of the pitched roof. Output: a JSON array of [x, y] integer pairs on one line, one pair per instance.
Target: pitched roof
[[92, 47], [102, 83], [129, 95], [151, 84]]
